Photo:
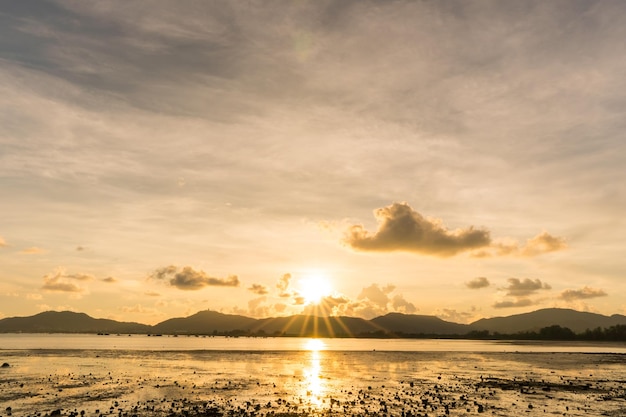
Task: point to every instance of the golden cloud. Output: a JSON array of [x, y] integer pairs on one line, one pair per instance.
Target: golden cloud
[[400, 228], [189, 279], [582, 294], [477, 283]]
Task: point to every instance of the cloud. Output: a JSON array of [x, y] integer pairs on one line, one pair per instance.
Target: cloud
[[152, 294], [522, 302], [283, 285], [32, 251], [60, 281], [3, 242], [377, 295], [139, 309], [109, 280], [256, 308], [582, 294], [525, 287], [280, 307], [477, 283], [543, 243], [165, 272], [520, 290], [327, 306], [188, 279], [33, 296], [371, 302], [401, 228], [455, 316], [401, 305], [258, 289]]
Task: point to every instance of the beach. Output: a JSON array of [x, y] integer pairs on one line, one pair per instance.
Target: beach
[[116, 382]]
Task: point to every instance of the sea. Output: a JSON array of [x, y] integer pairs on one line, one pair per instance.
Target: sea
[[137, 375]]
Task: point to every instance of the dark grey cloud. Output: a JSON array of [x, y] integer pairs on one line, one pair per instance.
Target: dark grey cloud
[[524, 287], [187, 278], [582, 294], [477, 283], [403, 229]]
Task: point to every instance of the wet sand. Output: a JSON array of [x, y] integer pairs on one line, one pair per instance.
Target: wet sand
[[114, 383]]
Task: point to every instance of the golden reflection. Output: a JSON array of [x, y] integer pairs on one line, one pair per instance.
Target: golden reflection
[[314, 388], [314, 345]]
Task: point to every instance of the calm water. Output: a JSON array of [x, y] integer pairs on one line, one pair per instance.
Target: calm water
[[186, 343], [269, 377]]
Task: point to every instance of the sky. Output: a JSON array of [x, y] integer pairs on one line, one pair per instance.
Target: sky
[[463, 159]]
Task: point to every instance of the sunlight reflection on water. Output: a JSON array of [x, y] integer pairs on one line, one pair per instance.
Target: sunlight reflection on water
[[314, 387]]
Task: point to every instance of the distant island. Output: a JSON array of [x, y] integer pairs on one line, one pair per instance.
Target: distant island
[[544, 324]]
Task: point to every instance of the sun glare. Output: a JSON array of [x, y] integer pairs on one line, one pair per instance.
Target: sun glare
[[314, 345], [314, 287]]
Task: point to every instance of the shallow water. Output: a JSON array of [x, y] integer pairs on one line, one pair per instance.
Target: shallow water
[[143, 342], [312, 379]]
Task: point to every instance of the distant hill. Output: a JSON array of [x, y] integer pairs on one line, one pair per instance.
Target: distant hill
[[577, 321], [389, 325], [205, 322], [418, 324], [67, 322]]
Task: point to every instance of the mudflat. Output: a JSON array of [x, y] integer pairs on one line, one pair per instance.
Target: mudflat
[[42, 382]]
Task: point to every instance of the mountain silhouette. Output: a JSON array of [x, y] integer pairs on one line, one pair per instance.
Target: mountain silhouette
[[577, 321], [418, 324], [205, 322], [67, 322], [390, 325]]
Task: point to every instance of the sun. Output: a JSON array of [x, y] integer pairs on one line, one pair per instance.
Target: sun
[[314, 287]]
